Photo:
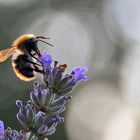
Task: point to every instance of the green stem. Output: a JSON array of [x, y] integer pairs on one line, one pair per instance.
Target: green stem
[[31, 135]]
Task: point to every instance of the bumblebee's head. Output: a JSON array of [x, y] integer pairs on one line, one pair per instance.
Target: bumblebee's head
[[29, 41]]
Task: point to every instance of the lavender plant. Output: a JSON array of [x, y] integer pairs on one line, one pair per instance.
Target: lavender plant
[[41, 114]]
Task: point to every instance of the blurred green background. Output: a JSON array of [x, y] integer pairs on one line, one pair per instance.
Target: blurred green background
[[103, 35]]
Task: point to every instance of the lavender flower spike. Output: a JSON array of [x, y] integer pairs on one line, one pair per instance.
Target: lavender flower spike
[[78, 74], [9, 134], [1, 127]]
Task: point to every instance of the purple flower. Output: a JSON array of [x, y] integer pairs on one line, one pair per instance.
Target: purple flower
[[1, 127], [26, 114], [45, 59], [78, 74], [9, 134]]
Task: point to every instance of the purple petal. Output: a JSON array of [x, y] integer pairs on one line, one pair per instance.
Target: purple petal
[[85, 78], [1, 127], [46, 59], [79, 74], [85, 69], [19, 103]]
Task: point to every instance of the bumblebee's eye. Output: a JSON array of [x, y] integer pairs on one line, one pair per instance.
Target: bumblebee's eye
[[31, 44]]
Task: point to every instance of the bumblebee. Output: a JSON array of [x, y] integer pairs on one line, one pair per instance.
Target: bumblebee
[[24, 51]]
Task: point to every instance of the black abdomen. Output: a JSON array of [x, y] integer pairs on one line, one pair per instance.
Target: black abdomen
[[23, 68]]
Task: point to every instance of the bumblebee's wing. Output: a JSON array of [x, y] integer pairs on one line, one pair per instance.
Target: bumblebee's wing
[[4, 54]]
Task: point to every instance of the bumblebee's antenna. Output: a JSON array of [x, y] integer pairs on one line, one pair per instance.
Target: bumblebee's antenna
[[45, 42], [42, 37]]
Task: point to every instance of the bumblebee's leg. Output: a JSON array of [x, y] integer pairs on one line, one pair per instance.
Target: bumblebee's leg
[[28, 69], [37, 52], [34, 63], [26, 59], [33, 56], [36, 69]]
